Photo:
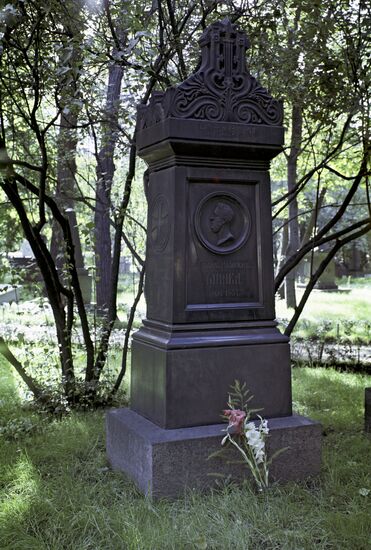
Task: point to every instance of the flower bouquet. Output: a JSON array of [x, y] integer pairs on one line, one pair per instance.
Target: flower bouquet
[[247, 436]]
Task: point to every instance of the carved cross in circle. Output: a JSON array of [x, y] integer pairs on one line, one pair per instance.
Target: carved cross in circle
[[160, 222]]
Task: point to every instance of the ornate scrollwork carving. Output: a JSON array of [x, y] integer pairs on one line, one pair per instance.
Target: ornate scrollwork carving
[[221, 90]]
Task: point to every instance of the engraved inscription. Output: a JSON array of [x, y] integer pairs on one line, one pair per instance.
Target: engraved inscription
[[225, 285], [224, 278], [159, 229], [227, 132], [228, 280], [222, 222]]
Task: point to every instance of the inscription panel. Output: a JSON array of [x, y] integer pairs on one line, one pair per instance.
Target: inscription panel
[[236, 131], [222, 250], [227, 280]]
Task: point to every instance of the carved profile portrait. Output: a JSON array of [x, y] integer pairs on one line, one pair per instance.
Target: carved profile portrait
[[220, 222]]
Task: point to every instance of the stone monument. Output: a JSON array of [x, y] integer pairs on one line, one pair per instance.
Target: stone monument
[[327, 279], [209, 288], [85, 279]]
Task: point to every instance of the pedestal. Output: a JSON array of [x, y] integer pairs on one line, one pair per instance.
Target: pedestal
[[165, 463], [193, 367]]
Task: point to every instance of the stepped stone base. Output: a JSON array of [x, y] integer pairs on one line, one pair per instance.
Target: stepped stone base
[[164, 463]]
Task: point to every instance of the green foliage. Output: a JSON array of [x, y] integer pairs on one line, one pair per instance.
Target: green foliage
[[57, 492], [18, 428], [333, 324], [334, 329], [356, 331], [238, 397], [55, 77]]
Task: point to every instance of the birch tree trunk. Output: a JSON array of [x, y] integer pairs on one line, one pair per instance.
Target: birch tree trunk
[[282, 256], [70, 59], [105, 172], [66, 174]]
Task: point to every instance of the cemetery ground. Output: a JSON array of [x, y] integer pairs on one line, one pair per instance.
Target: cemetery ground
[[56, 491]]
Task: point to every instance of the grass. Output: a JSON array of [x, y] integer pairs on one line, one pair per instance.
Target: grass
[[334, 316], [56, 492], [330, 305]]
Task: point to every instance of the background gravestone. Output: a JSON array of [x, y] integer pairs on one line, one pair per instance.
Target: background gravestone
[[327, 279], [24, 260], [209, 285]]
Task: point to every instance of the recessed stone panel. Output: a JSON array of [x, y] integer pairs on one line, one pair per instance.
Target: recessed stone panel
[[223, 250]]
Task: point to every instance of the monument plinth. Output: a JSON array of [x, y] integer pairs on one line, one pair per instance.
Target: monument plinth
[[209, 285]]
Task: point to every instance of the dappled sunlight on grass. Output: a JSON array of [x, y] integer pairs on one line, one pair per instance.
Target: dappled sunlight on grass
[[9, 397], [330, 396], [23, 477], [332, 305], [56, 491], [21, 489]]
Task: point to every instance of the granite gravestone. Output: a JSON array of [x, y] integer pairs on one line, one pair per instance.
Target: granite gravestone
[[209, 288], [85, 279], [327, 279]]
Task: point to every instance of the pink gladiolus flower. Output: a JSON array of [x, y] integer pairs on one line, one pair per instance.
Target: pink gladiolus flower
[[236, 419]]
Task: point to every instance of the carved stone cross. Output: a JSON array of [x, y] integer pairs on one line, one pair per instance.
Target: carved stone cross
[[221, 90]]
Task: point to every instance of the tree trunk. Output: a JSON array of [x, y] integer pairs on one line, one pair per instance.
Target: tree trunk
[[312, 223], [56, 293], [105, 171], [293, 225], [27, 379], [66, 174], [71, 57], [281, 256]]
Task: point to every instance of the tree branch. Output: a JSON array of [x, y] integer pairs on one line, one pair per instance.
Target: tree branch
[[28, 380]]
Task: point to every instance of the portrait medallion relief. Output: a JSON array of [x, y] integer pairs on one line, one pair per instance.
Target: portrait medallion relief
[[222, 222], [159, 226]]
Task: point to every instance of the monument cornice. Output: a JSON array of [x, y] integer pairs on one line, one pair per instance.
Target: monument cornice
[[215, 162], [232, 138], [191, 338]]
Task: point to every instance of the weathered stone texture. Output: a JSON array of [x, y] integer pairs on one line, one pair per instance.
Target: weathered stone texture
[[165, 463]]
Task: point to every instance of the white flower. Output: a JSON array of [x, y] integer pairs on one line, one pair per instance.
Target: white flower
[[255, 439], [259, 457], [263, 428], [250, 428]]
